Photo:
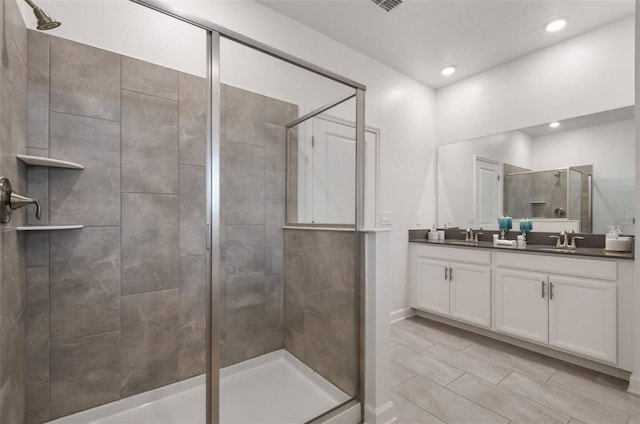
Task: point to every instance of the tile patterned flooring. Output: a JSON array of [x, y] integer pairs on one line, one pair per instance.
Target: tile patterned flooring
[[442, 374]]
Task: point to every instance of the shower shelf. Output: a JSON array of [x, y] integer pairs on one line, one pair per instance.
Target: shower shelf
[[539, 202], [52, 163], [49, 227]]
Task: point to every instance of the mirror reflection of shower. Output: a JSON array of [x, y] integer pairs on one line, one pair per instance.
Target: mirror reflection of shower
[[562, 194], [45, 21]]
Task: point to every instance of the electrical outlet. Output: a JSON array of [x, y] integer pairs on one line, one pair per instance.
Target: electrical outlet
[[418, 218], [385, 217]]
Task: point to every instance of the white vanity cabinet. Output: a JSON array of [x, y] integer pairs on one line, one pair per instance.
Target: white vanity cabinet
[[575, 314], [562, 304], [453, 282]]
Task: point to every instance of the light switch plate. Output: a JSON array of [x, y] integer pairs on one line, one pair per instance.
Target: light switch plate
[[385, 217]]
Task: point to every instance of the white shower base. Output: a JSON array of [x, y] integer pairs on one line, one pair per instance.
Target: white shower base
[[273, 388]]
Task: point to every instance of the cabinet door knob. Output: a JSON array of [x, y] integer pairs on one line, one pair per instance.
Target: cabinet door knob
[[543, 284], [550, 291]]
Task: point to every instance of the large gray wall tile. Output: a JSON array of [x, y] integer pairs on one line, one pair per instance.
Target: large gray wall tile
[[330, 350], [149, 345], [149, 78], [244, 116], [37, 326], [192, 319], [294, 279], [343, 267], [244, 174], [84, 80], [193, 120], [243, 251], [275, 162], [38, 188], [37, 249], [12, 393], [149, 242], [274, 238], [38, 91], [90, 196], [85, 372], [37, 404], [279, 112], [149, 144], [85, 282], [193, 210], [273, 312], [12, 283]]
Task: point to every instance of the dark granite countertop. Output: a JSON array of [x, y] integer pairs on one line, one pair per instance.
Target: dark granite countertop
[[530, 248]]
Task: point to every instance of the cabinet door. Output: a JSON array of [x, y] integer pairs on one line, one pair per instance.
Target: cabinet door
[[470, 293], [583, 317], [520, 303], [431, 288]]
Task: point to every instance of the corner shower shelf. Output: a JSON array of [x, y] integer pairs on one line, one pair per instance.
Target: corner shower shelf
[[49, 227], [52, 163]]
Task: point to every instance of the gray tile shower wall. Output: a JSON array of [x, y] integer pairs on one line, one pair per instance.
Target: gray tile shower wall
[[118, 308], [319, 303], [137, 271], [253, 208], [13, 140]]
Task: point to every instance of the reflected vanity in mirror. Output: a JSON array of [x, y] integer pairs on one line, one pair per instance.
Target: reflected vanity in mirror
[[577, 174]]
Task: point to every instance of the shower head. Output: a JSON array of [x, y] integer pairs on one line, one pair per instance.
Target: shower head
[[557, 174], [45, 22]]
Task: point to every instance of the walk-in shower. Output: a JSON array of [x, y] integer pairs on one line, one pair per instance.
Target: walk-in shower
[[173, 277]]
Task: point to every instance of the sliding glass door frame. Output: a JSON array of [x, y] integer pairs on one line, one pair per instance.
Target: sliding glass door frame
[[214, 34]]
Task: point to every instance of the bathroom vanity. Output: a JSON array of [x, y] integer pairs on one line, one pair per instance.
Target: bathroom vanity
[[577, 302]]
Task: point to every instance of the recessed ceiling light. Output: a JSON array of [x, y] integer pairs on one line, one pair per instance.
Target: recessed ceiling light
[[555, 25], [554, 124], [448, 70]]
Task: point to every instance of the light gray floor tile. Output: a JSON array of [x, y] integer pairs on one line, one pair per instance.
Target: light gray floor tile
[[516, 359], [437, 332], [399, 374], [469, 362], [445, 404], [408, 412], [406, 336], [582, 384], [505, 403], [433, 369], [574, 405]]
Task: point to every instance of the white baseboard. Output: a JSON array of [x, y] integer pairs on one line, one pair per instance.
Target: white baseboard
[[382, 415], [634, 385], [401, 314]]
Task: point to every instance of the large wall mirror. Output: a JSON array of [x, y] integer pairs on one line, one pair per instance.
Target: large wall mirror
[[577, 175]]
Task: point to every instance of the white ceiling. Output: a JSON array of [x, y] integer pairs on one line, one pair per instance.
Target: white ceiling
[[600, 118], [421, 36]]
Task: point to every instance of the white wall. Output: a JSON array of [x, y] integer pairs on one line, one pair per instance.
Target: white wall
[[611, 150], [589, 73], [402, 108]]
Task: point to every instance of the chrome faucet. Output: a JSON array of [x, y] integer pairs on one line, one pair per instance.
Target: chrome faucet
[[468, 235], [564, 237]]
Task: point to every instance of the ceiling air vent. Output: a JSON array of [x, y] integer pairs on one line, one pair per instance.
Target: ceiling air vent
[[387, 5]]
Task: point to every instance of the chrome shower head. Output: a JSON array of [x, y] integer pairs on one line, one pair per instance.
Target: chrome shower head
[[45, 22]]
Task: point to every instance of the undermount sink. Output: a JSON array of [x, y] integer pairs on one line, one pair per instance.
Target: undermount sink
[[557, 249], [463, 243]]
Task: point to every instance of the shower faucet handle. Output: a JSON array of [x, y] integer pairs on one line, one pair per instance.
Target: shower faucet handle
[[10, 201]]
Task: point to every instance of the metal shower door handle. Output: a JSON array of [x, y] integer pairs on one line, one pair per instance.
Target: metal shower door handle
[[10, 201]]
